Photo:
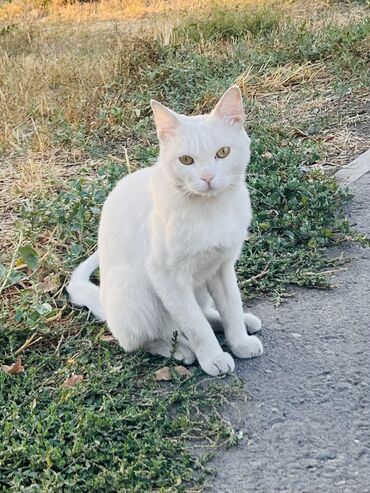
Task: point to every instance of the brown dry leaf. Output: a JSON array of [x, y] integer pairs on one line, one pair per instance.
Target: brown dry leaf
[[107, 337], [14, 368], [73, 380], [182, 371], [163, 374], [50, 284], [267, 155]]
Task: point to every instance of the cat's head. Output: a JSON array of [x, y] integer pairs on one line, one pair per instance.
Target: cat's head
[[206, 154]]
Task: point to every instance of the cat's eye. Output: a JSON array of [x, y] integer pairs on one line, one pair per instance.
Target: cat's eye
[[186, 160], [223, 152]]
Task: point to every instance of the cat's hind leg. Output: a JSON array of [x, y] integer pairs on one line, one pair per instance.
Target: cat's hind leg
[[133, 312], [168, 349], [171, 343]]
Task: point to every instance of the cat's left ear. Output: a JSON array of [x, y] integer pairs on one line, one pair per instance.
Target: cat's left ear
[[230, 107], [166, 120]]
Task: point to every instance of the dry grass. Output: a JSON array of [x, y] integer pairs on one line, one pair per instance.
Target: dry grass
[[77, 12], [8, 206], [50, 70], [281, 78], [299, 98], [33, 176], [106, 10], [118, 10], [319, 12]]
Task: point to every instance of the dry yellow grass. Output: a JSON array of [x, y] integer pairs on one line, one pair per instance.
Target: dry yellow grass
[[118, 10], [7, 206], [53, 70], [278, 79], [104, 10]]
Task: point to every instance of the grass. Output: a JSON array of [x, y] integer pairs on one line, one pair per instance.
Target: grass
[[75, 84]]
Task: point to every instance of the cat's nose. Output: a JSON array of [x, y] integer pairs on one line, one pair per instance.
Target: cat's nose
[[207, 178]]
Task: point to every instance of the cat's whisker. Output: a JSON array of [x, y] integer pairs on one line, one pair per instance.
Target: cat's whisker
[[178, 191]]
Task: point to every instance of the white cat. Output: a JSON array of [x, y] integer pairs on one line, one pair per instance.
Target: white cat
[[168, 239]]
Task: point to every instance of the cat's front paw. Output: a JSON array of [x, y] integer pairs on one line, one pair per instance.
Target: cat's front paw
[[248, 347], [221, 365]]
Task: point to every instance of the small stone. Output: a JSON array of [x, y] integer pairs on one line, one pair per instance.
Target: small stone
[[326, 455], [310, 463]]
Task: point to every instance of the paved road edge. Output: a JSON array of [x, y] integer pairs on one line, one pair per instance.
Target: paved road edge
[[354, 170]]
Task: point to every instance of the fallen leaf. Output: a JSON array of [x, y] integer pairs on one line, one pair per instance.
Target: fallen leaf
[[182, 371], [107, 337], [267, 155], [50, 284], [14, 368], [163, 374], [73, 380]]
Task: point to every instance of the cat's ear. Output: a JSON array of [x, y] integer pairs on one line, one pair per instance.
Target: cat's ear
[[166, 120], [230, 106]]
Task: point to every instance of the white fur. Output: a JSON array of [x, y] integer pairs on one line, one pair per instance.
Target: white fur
[[168, 242]]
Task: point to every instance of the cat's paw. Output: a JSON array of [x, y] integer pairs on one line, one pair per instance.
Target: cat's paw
[[249, 347], [184, 354], [252, 323], [221, 365], [163, 348]]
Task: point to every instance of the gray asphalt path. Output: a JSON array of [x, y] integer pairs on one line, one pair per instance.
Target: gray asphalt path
[[307, 426]]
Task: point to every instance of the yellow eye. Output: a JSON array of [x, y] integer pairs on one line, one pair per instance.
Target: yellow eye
[[186, 160], [223, 152]]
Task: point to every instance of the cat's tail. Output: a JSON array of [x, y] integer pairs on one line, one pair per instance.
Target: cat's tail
[[83, 292]]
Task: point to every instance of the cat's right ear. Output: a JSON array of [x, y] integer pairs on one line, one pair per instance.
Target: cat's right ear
[[166, 120]]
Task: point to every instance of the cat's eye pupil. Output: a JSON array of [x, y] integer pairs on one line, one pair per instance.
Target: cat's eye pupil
[[223, 152], [186, 160]]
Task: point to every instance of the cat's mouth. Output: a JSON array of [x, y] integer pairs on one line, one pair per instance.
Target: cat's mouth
[[210, 191], [198, 190]]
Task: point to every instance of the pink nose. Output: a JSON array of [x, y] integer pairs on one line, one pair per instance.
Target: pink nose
[[207, 179]]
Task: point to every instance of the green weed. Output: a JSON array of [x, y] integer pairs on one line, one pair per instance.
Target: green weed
[[224, 22]]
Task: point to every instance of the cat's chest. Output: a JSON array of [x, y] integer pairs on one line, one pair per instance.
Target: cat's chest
[[209, 233], [197, 253], [208, 236]]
